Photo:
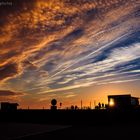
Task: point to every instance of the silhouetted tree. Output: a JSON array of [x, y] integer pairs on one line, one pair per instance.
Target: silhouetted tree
[[99, 104], [53, 102], [72, 107], [103, 105], [76, 107]]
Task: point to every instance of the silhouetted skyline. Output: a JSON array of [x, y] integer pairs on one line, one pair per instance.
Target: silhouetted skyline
[[69, 50]]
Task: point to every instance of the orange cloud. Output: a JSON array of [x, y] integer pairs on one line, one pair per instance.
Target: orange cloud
[[35, 32], [11, 96], [10, 93]]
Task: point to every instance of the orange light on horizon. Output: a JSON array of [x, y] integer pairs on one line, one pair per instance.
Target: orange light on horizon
[[111, 102]]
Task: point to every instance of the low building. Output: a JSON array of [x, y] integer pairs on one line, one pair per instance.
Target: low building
[[122, 101], [6, 106]]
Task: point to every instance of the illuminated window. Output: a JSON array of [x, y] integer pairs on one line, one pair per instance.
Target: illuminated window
[[111, 102]]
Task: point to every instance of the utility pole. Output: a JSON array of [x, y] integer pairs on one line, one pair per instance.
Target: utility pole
[[94, 103], [81, 104], [90, 104]]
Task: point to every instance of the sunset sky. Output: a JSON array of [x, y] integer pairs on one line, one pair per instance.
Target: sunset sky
[[70, 50]]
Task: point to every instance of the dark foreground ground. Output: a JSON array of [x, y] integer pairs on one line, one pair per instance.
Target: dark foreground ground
[[48, 132], [75, 125]]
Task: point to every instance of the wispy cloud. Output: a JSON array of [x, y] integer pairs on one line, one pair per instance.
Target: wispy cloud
[[54, 46]]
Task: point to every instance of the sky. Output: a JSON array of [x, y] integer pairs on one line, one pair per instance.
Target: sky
[[70, 50]]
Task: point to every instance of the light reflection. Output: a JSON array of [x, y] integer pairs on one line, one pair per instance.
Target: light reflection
[[111, 102]]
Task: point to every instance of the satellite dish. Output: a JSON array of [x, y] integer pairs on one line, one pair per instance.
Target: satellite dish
[[53, 102]]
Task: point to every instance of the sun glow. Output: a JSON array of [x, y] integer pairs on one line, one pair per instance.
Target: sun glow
[[111, 102]]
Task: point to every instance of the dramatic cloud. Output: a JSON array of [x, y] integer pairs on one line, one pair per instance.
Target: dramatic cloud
[[55, 46], [9, 93], [8, 71]]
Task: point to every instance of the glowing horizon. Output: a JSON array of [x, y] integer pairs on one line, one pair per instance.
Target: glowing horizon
[[68, 50]]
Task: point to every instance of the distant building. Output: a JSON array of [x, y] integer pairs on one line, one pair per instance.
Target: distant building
[[6, 106], [122, 101]]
